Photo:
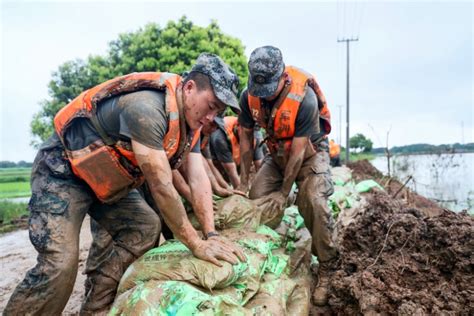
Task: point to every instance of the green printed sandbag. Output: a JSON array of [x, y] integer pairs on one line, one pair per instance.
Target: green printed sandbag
[[367, 185], [341, 175], [173, 261], [174, 298], [281, 291]]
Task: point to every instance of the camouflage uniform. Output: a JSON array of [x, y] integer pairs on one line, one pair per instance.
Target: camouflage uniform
[[314, 188], [314, 179], [58, 205]]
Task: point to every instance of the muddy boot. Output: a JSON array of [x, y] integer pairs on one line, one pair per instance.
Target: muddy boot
[[321, 292]]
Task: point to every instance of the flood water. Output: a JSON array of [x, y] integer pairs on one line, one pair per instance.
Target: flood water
[[445, 178]]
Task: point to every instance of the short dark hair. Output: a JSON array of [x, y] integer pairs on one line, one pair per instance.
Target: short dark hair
[[202, 81]]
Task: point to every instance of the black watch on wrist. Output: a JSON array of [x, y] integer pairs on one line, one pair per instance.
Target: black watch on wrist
[[210, 234]]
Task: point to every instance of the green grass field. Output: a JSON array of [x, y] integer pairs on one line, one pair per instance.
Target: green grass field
[[14, 182]]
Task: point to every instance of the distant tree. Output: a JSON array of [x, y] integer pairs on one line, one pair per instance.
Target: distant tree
[[24, 164], [173, 48], [360, 142], [7, 164]]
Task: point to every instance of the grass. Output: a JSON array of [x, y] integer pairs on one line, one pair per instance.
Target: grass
[[14, 189], [357, 156], [15, 182], [10, 214]]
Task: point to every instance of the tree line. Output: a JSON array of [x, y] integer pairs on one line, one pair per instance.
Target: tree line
[[172, 48]]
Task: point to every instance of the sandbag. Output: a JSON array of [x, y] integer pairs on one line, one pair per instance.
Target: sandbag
[[174, 298], [274, 280]]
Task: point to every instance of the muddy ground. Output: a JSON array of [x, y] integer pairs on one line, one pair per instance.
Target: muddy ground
[[403, 256], [17, 255]]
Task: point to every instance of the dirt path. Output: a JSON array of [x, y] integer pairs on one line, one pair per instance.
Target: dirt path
[[17, 256]]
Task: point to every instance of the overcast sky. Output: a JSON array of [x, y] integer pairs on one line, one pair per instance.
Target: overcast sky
[[411, 70]]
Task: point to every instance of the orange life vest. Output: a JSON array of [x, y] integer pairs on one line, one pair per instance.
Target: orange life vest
[[109, 167], [281, 129], [231, 123], [334, 149]]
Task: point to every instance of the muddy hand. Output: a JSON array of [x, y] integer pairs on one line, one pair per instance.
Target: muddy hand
[[215, 249], [273, 201]]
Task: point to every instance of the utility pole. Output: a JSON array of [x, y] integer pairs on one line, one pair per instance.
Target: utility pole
[[347, 40], [339, 141]]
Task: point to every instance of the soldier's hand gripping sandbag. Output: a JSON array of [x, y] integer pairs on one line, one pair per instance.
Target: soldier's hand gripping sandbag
[[218, 248]]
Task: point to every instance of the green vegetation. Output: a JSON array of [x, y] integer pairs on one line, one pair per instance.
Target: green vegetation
[[14, 182], [361, 143], [427, 149], [173, 48], [10, 214], [356, 156]]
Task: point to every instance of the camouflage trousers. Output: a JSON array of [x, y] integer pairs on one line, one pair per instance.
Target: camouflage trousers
[[57, 207], [314, 187]]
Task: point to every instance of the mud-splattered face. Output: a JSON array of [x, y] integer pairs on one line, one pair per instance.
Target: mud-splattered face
[[200, 106]]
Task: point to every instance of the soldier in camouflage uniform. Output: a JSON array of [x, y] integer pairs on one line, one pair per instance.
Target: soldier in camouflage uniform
[[141, 121], [288, 103]]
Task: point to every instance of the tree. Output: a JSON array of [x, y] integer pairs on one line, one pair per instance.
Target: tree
[[173, 48], [360, 142]]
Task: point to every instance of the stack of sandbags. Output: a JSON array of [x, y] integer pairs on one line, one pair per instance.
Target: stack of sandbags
[[274, 280]]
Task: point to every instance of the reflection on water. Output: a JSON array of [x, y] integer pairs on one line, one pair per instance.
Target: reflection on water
[[445, 178]]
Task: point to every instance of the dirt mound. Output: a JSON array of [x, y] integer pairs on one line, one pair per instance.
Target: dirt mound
[[395, 260], [363, 169]]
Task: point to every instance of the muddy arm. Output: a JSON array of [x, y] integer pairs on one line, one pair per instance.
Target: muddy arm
[[157, 171], [216, 187], [181, 186], [231, 170], [295, 161], [246, 148], [201, 192]]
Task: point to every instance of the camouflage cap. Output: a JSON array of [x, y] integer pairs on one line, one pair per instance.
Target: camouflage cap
[[265, 69], [223, 79]]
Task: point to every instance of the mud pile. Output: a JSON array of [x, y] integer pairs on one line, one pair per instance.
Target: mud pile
[[396, 260], [363, 169]]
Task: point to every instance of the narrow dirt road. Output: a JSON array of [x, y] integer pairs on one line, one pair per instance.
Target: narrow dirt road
[[17, 256]]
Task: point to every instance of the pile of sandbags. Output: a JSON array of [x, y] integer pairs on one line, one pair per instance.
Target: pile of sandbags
[[274, 280]]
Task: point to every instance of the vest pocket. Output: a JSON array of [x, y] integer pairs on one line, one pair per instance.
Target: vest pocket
[[101, 169]]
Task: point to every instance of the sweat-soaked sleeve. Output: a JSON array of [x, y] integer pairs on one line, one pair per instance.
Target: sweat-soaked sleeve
[[143, 117], [307, 119], [245, 117]]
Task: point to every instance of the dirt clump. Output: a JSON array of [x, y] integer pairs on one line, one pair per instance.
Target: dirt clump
[[395, 260], [363, 169]]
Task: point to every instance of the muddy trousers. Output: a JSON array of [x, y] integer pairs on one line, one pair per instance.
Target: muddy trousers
[[314, 187], [57, 207]]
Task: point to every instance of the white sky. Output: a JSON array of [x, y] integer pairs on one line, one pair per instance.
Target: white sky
[[411, 70]]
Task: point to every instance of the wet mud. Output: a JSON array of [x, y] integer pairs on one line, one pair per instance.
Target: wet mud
[[402, 258]]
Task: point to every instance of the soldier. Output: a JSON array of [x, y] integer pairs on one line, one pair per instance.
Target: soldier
[[288, 103], [225, 148], [107, 142]]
